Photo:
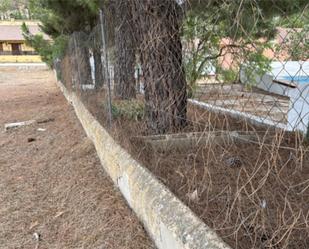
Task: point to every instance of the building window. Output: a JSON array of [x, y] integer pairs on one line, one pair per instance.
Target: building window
[[16, 48]]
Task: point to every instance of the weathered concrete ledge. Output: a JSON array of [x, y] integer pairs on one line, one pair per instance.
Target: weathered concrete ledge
[[170, 223], [189, 140], [250, 118]]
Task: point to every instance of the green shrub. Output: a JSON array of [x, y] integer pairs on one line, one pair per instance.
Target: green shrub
[[129, 109]]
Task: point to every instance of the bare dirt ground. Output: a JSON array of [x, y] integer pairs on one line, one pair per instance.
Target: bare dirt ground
[[54, 186]]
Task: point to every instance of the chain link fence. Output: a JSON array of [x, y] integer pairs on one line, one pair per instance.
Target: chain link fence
[[263, 80], [213, 98]]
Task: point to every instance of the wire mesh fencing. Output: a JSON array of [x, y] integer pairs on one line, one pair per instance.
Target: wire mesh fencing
[[213, 98]]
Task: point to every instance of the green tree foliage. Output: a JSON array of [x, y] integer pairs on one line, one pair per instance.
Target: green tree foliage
[[298, 44], [59, 19], [297, 41], [5, 5], [299, 19], [249, 25], [17, 9], [49, 51]]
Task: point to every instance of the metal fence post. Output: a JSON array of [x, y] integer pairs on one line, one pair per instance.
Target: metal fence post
[[76, 61], [106, 68]]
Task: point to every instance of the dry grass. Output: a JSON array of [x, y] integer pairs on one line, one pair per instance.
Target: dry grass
[[55, 186], [260, 202]]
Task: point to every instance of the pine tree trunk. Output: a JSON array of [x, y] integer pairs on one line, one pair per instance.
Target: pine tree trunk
[[161, 57], [98, 67], [85, 67], [83, 59], [125, 87]]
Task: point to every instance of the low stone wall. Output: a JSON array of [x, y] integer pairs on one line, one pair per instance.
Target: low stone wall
[[170, 223]]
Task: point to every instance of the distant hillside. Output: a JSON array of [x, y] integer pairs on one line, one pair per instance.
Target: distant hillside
[[14, 9]]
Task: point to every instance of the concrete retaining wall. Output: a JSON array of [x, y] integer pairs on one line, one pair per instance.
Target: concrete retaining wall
[[170, 223], [250, 118]]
